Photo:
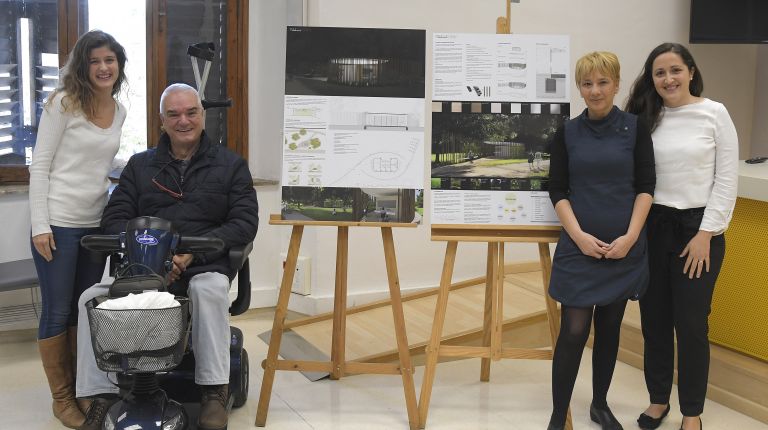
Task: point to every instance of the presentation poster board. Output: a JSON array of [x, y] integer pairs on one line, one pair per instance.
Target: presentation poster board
[[353, 145], [497, 100]]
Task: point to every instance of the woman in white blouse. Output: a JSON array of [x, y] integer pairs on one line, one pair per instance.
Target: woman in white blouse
[[78, 137], [696, 151]]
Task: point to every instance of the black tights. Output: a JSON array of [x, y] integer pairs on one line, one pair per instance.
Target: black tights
[[574, 331]]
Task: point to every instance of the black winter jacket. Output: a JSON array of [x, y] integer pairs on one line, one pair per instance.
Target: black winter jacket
[[218, 198]]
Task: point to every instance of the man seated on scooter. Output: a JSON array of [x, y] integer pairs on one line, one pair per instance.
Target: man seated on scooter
[[204, 190]]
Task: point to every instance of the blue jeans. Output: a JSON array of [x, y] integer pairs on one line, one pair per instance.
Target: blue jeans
[[72, 270]]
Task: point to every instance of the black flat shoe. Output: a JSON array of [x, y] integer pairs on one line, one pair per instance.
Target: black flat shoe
[[605, 418], [554, 426], [647, 422], [701, 424]]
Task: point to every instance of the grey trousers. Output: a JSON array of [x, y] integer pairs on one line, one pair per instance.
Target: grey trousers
[[210, 335]]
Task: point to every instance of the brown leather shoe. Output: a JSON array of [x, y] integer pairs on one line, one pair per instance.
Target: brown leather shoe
[[213, 407], [84, 404], [94, 418]]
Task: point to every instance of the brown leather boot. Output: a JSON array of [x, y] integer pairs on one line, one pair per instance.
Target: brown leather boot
[[57, 363], [213, 407]]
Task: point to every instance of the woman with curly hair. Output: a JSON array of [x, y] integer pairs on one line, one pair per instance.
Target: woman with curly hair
[[77, 139], [696, 151]]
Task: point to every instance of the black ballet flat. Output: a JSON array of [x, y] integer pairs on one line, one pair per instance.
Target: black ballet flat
[[701, 424], [647, 422], [605, 418], [552, 426]]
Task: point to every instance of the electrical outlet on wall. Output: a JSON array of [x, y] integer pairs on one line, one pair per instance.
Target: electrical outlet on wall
[[302, 281]]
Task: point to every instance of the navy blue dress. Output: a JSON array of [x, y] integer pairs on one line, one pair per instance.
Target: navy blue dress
[[600, 166]]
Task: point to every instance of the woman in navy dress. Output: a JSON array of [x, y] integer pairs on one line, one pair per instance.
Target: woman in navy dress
[[602, 179]]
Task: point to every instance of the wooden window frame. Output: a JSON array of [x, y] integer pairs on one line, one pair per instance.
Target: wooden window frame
[[237, 71], [72, 22]]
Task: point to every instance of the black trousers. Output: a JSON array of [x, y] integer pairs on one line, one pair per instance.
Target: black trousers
[[677, 305]]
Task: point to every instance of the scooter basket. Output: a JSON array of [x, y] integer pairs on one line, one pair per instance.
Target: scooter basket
[[138, 340]]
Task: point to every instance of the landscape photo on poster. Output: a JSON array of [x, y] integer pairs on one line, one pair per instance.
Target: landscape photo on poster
[[353, 133], [353, 204], [474, 149]]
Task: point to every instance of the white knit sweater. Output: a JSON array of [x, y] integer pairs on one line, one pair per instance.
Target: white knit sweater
[[697, 155], [68, 176]]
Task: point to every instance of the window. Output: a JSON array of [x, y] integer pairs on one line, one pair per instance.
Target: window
[[133, 15], [36, 35], [175, 24], [28, 73]]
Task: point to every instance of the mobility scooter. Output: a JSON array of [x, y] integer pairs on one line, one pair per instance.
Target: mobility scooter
[[147, 348]]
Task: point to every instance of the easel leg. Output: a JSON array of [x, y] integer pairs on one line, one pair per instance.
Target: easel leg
[[497, 314], [270, 364], [485, 363], [338, 344], [406, 368], [553, 316], [433, 348]]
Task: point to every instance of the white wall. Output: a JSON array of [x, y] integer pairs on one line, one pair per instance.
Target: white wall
[[15, 245], [729, 77], [266, 84], [630, 29], [15, 228], [759, 146]]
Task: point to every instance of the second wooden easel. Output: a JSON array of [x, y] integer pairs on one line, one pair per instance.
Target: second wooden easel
[[338, 366], [496, 237], [492, 349]]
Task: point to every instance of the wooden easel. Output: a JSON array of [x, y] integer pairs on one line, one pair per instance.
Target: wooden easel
[[338, 366], [492, 349], [496, 237]]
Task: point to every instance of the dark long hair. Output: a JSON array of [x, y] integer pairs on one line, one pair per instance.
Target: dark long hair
[[643, 99], [75, 82]]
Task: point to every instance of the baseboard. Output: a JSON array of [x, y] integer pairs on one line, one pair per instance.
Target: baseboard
[[261, 297], [320, 304], [315, 305]]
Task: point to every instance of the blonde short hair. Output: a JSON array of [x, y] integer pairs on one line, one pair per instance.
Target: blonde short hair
[[607, 63]]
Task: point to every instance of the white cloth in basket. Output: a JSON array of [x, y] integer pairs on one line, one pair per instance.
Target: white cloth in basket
[[146, 300]]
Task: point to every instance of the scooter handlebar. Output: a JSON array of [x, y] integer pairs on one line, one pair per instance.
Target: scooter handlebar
[[101, 242], [199, 244]]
